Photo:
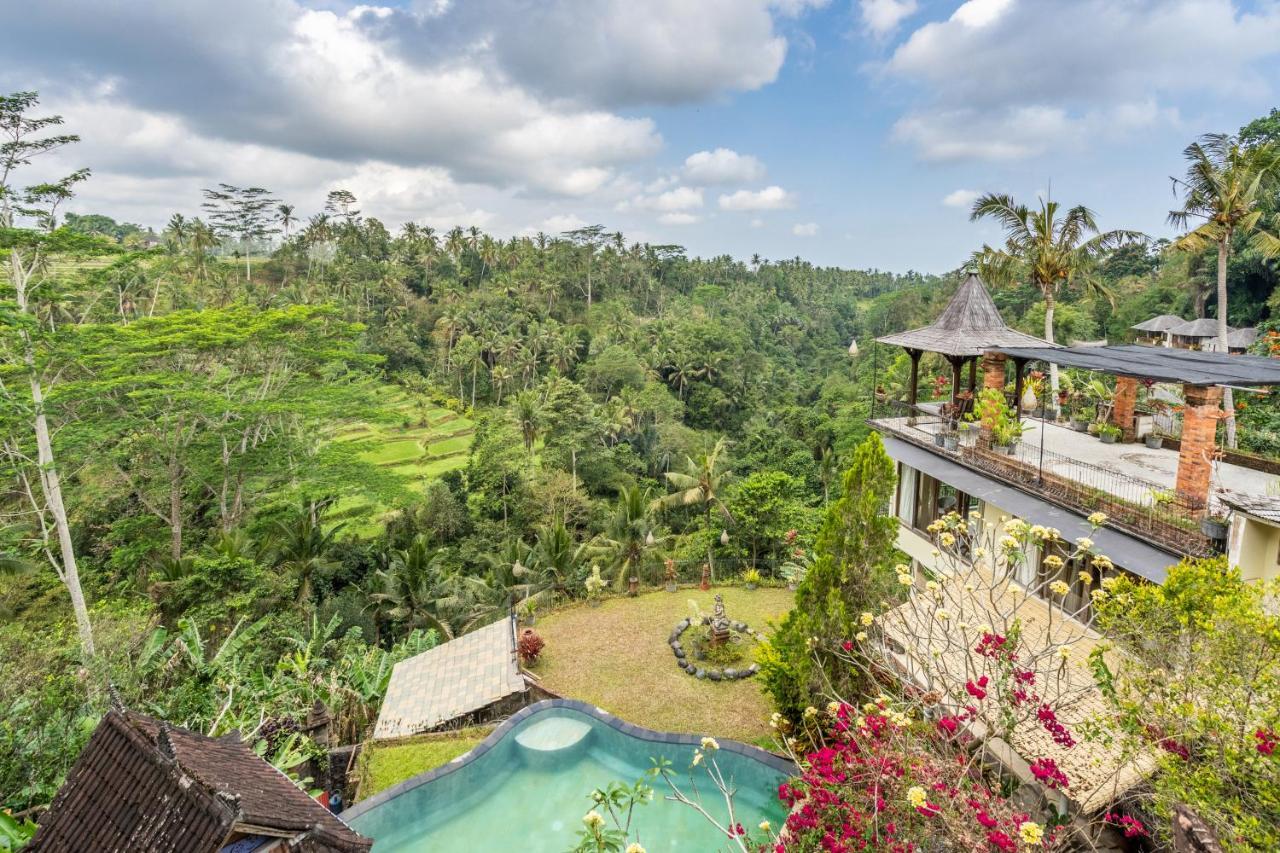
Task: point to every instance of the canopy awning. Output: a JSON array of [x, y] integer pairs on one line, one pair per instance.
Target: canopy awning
[[1160, 364]]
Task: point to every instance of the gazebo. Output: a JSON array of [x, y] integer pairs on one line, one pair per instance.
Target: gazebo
[[1157, 328], [1195, 332], [966, 330]]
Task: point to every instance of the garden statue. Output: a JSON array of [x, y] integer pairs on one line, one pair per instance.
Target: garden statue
[[720, 632], [706, 577]]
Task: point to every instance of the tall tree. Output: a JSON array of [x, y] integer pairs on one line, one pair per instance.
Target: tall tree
[[284, 215], [241, 212], [26, 137], [1225, 185], [1055, 248], [702, 483]]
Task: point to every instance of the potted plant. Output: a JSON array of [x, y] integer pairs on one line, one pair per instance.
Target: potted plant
[[1094, 428], [966, 433], [1081, 417], [1109, 433], [669, 575], [527, 610], [1214, 526], [751, 579], [950, 441], [940, 438], [1154, 440]]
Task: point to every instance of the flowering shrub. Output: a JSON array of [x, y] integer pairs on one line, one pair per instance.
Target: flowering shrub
[[883, 780], [1200, 690], [530, 646]]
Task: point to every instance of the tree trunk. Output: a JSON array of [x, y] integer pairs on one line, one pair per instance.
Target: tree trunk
[[1049, 305], [175, 508], [50, 483], [1228, 404]]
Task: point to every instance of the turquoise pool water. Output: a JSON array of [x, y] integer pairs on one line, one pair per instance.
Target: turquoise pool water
[[530, 791]]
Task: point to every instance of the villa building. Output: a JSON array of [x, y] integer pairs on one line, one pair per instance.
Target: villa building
[[1172, 498]]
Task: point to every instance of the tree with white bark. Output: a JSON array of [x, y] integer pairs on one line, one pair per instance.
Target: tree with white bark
[[26, 252]]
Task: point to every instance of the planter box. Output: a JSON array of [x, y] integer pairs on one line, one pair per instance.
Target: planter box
[[1079, 426], [1155, 442], [951, 442], [1214, 529], [1106, 438]]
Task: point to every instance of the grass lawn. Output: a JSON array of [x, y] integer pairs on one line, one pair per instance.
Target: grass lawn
[[616, 656], [384, 766], [450, 445]]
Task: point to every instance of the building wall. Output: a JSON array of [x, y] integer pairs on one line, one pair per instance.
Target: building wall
[[1255, 548]]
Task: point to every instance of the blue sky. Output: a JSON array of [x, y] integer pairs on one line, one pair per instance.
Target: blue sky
[[849, 132]]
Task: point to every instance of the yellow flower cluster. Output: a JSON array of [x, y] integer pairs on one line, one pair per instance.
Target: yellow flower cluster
[[1059, 588], [866, 618], [710, 745], [1098, 519], [1031, 833], [1053, 561], [916, 796]]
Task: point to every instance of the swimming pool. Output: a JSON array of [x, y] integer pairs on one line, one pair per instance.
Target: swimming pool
[[526, 788]]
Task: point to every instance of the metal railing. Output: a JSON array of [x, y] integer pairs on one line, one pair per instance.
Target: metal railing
[[1150, 510]]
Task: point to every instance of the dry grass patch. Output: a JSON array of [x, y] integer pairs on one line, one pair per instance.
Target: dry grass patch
[[616, 656]]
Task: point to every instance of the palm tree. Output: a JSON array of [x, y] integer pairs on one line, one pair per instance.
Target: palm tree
[[411, 588], [527, 415], [1054, 250], [304, 546], [284, 215], [629, 543], [555, 563], [1223, 189], [701, 483]]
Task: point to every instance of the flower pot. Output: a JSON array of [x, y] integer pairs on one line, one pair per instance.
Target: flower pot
[[1079, 425], [1004, 449], [1106, 438], [1214, 528], [968, 437], [939, 439], [951, 442], [1153, 441]]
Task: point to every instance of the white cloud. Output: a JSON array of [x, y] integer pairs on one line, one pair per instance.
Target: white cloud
[[756, 223], [1004, 79], [679, 218], [562, 222], [961, 198], [882, 17], [679, 198], [805, 229], [769, 198], [722, 166]]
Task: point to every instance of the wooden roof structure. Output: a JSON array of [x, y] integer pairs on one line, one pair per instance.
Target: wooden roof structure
[[969, 325], [1205, 327], [143, 785]]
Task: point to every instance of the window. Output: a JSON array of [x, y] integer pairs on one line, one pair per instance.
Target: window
[[1079, 600], [934, 499]]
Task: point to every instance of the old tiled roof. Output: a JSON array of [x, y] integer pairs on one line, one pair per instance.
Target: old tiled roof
[[969, 325], [1266, 507], [140, 785], [1098, 774], [454, 679]]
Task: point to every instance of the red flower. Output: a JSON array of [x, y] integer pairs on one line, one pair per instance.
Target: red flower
[[1268, 740], [1002, 842], [1047, 772], [978, 690]]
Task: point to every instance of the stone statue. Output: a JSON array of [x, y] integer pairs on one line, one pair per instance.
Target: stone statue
[[720, 632]]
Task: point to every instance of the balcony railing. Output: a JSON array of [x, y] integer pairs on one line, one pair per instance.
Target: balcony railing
[[1150, 510]]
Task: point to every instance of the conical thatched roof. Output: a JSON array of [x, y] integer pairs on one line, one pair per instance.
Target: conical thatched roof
[[969, 325], [1163, 323]]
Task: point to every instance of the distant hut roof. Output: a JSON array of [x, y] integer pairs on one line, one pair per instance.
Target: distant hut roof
[[968, 326], [1163, 323], [1242, 338], [1205, 327]]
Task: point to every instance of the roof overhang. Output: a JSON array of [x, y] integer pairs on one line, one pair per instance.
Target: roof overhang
[[1161, 364], [1128, 552]]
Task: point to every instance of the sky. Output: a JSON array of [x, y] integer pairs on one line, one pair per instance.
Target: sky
[[852, 133]]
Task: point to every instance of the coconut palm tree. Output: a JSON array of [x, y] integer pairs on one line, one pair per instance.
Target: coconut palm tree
[[527, 414], [304, 546], [629, 546], [1052, 247], [701, 483], [1222, 192], [284, 215]]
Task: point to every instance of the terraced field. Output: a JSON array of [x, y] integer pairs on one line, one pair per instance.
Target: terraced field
[[422, 443]]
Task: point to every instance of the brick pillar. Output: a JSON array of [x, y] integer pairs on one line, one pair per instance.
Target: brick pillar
[[1199, 429], [1122, 406], [992, 377], [993, 371]]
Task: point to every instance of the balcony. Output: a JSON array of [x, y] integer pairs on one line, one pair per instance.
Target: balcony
[[1132, 484]]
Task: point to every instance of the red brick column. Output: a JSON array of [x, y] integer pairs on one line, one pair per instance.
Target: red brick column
[[1199, 429], [1122, 406], [993, 371]]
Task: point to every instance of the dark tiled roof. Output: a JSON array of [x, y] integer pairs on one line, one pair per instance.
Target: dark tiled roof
[[1266, 507], [968, 326], [1205, 327], [142, 786], [1162, 323]]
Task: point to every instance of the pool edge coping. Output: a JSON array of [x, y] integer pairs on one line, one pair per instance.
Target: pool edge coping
[[776, 762]]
